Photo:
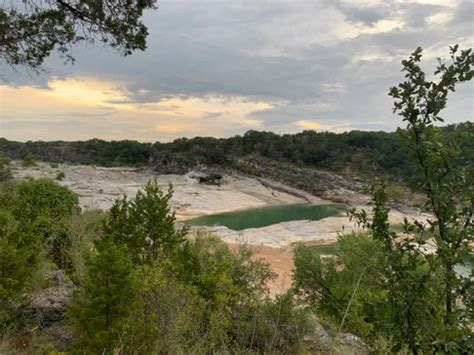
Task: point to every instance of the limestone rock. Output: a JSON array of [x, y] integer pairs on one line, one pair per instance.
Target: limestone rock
[[49, 304]]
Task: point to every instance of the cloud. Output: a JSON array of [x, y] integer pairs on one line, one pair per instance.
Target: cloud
[[464, 13], [309, 124], [225, 67]]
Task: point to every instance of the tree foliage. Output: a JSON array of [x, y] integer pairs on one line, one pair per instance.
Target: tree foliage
[[43, 208], [145, 224], [5, 170], [442, 171], [166, 293], [104, 299], [19, 256], [392, 285], [31, 30]]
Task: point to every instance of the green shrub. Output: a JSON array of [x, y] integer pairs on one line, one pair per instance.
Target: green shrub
[[105, 300], [85, 229], [29, 160], [60, 176], [398, 193], [5, 170], [331, 283], [43, 208], [145, 224], [18, 259], [168, 317]]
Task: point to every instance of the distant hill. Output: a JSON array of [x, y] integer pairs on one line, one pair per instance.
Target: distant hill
[[356, 152]]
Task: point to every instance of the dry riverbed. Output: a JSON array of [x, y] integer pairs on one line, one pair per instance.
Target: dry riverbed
[[98, 187]]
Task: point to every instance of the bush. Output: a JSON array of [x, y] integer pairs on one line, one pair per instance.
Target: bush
[[354, 273], [84, 229], [5, 171], [145, 225], [60, 176], [18, 259], [100, 308], [168, 317], [398, 193], [29, 160], [43, 208]]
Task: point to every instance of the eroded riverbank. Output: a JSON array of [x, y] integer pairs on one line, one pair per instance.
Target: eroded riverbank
[[98, 187]]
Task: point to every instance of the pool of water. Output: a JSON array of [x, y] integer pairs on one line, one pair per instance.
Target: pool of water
[[265, 216]]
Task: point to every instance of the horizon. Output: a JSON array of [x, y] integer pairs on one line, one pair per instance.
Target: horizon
[[284, 67], [444, 125]]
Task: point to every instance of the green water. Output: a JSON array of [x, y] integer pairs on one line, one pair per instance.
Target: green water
[[265, 216]]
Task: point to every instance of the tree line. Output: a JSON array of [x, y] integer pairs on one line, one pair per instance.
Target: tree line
[[356, 151]]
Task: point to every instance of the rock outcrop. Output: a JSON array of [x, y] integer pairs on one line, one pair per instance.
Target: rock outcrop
[[48, 305]]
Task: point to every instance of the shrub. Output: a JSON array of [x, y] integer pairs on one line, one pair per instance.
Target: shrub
[[105, 300], [60, 176], [168, 317], [43, 208], [85, 229], [398, 193], [5, 170], [18, 259], [145, 224], [29, 160], [354, 274]]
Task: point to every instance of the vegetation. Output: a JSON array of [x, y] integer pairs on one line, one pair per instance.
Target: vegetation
[[30, 31], [60, 176], [18, 259], [142, 285], [364, 153], [410, 296], [28, 160], [139, 282], [5, 171], [42, 209]]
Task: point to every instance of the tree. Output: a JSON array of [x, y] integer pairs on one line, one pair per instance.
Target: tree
[[5, 170], [145, 224], [105, 300], [442, 174], [18, 259], [31, 30], [43, 208], [421, 292]]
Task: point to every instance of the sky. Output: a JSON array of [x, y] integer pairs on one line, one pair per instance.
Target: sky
[[221, 68]]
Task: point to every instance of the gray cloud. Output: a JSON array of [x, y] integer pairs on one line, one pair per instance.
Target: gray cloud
[[289, 53], [464, 13]]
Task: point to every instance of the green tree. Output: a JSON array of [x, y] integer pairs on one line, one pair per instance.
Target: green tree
[[418, 289], [105, 300], [31, 30], [18, 259], [28, 160], [442, 174], [43, 208], [411, 278], [145, 224], [349, 288], [5, 171]]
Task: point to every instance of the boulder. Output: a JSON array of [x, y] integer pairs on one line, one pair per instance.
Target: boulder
[[209, 178]]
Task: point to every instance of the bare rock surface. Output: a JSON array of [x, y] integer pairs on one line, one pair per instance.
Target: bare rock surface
[[49, 304], [98, 187]]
